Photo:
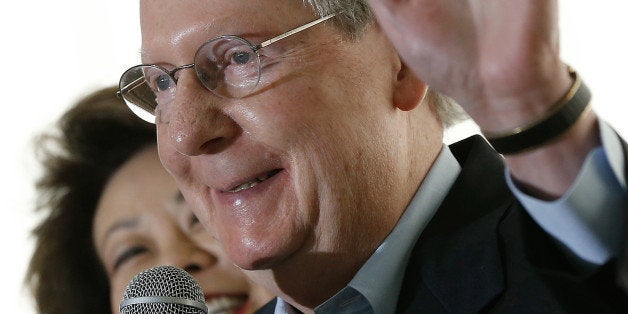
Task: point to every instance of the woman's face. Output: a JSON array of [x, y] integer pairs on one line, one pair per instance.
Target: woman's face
[[141, 221]]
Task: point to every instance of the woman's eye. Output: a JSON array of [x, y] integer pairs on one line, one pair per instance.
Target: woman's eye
[[128, 254], [194, 222]]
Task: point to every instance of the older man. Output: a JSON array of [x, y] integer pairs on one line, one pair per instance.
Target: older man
[[308, 138]]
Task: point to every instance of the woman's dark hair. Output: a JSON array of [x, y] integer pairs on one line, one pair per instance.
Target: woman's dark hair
[[95, 137]]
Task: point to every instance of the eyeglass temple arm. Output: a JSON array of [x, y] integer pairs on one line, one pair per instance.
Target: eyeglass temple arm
[[294, 31], [140, 80], [128, 87]]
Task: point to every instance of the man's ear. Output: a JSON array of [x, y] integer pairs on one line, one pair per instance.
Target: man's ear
[[409, 89]]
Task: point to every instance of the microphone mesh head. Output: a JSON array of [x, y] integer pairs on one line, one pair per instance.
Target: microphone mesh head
[[163, 281]]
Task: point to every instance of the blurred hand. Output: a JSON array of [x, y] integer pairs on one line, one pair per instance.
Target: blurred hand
[[498, 59]]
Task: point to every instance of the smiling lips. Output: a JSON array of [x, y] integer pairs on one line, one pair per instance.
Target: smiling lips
[[226, 304], [254, 182]]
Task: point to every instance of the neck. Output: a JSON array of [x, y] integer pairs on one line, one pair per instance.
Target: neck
[[311, 277], [309, 280]]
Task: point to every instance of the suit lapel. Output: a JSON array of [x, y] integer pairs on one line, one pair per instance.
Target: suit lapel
[[625, 146], [456, 266], [623, 261]]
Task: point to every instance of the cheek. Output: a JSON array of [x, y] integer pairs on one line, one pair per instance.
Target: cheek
[[178, 165], [117, 288]]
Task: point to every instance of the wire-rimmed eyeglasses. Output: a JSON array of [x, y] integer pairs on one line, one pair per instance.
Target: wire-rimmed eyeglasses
[[229, 66]]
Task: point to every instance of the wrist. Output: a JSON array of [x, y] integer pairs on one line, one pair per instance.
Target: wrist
[[555, 122], [514, 107], [549, 171]]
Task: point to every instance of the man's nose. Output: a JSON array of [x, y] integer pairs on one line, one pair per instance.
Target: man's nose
[[197, 123]]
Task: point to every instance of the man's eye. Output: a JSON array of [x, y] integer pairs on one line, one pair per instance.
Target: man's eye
[[129, 254], [163, 82], [241, 57]]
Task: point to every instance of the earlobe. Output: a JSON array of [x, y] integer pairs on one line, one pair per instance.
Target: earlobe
[[409, 89]]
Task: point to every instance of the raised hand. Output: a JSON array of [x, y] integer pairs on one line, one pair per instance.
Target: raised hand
[[498, 58]]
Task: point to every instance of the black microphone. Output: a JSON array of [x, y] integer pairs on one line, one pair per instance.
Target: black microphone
[[163, 289]]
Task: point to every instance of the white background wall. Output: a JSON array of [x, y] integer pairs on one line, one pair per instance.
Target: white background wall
[[54, 52]]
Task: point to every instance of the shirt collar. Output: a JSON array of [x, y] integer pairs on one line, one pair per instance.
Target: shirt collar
[[380, 278]]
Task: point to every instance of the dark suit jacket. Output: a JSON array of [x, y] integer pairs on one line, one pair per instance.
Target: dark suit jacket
[[482, 253]]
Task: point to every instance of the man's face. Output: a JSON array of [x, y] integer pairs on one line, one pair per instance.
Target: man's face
[[303, 168]]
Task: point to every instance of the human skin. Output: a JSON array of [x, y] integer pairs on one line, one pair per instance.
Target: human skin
[[142, 222], [500, 60], [340, 129]]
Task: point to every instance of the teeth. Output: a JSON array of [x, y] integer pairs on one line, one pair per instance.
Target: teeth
[[224, 305], [264, 177], [245, 186], [254, 182]]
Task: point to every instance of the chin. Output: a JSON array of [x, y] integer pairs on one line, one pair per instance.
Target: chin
[[253, 255], [257, 260]]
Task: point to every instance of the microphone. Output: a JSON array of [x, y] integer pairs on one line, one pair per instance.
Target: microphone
[[163, 289]]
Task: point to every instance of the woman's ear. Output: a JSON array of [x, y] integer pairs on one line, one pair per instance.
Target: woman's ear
[[409, 89]]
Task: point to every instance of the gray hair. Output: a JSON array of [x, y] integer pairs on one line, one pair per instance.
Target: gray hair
[[355, 18], [356, 15]]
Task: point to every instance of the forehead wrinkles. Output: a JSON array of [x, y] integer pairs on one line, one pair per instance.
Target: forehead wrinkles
[[180, 36], [154, 48], [162, 39]]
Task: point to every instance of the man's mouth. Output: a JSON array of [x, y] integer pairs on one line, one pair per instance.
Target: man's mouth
[[254, 182]]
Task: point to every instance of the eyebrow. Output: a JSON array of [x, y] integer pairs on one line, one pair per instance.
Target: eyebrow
[[119, 225]]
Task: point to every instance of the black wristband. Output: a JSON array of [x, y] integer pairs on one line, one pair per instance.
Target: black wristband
[[558, 120]]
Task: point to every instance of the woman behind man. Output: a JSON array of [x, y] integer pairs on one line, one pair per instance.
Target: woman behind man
[[111, 211]]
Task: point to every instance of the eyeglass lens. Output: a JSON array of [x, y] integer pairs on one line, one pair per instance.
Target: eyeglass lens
[[227, 65]]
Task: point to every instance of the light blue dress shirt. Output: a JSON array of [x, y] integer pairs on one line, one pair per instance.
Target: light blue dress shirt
[[587, 220]]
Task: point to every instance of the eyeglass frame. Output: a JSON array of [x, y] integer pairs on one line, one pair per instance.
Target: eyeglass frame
[[254, 48]]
